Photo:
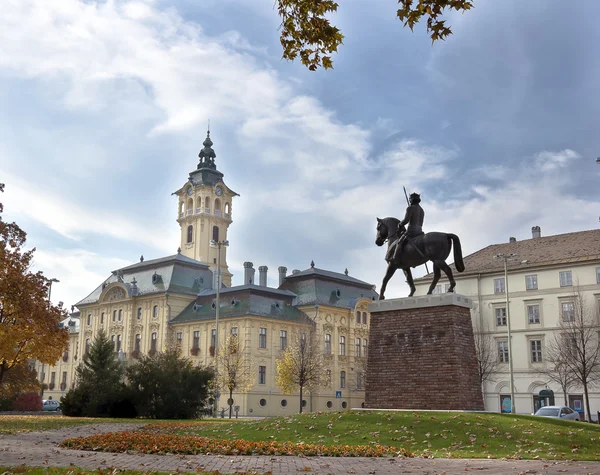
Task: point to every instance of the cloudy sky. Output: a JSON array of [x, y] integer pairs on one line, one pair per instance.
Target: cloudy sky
[[105, 106]]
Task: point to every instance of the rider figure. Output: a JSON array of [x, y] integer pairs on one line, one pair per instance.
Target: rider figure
[[414, 218]]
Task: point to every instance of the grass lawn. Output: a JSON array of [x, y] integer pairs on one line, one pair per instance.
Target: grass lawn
[[437, 434], [10, 424], [13, 424], [81, 471]]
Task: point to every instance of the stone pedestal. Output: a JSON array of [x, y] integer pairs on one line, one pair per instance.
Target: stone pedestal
[[422, 354]]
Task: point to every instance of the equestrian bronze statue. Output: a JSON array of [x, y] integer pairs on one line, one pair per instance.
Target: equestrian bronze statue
[[411, 247]]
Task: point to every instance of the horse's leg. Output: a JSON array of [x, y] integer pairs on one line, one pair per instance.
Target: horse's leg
[[410, 281], [436, 277], [448, 271], [388, 275]]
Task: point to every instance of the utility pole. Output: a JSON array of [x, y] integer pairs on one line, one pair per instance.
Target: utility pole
[[217, 245]]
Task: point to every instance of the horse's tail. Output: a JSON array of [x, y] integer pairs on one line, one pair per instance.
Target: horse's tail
[[458, 258]]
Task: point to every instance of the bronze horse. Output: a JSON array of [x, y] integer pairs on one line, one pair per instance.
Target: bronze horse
[[433, 247]]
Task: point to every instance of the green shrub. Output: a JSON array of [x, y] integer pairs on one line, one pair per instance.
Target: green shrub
[[168, 386]]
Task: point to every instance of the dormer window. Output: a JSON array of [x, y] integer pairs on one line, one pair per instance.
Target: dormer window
[[156, 278]]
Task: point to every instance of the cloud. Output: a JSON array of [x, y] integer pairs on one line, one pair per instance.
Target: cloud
[[78, 271], [66, 218], [553, 160]]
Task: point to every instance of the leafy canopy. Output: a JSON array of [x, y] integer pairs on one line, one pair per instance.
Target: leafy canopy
[[306, 31], [28, 322]]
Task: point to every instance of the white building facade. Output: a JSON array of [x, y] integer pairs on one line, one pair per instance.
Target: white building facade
[[545, 276]]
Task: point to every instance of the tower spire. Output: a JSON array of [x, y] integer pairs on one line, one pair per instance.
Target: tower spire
[[207, 154]]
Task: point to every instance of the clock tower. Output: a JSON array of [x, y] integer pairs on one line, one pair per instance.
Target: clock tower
[[204, 212]]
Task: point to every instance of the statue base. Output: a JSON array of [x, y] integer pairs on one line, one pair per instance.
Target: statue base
[[421, 355]]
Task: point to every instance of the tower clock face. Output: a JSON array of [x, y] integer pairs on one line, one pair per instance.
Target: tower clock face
[[190, 190], [219, 191]]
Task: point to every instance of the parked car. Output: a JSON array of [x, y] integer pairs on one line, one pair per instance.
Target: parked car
[[50, 405], [558, 412]]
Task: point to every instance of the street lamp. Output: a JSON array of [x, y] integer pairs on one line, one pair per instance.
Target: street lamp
[[217, 245], [50, 287], [49, 303], [505, 257]]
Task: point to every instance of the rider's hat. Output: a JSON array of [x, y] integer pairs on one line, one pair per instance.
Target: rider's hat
[[416, 197]]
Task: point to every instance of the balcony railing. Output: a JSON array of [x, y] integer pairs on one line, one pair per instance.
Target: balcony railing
[[207, 210], [181, 215], [218, 213], [189, 212], [198, 210], [227, 216]]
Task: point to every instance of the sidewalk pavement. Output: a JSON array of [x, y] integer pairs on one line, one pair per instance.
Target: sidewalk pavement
[[40, 449]]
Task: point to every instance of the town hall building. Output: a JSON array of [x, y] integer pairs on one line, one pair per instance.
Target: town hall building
[[145, 306]]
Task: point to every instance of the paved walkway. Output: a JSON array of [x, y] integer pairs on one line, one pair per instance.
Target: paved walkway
[[40, 449]]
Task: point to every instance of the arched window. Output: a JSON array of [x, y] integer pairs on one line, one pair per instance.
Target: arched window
[[357, 317], [153, 342], [190, 233], [181, 208], [87, 346], [227, 209], [364, 320], [342, 379], [217, 204], [207, 205], [199, 204], [120, 314], [190, 206], [138, 339], [342, 345], [155, 311], [365, 346], [215, 233]]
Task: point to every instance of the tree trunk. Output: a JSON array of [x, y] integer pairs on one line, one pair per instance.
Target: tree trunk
[[300, 399], [587, 402], [2, 370], [230, 399]]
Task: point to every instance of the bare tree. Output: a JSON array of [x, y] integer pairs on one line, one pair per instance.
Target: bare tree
[[556, 369], [486, 352], [301, 366], [235, 369], [577, 343]]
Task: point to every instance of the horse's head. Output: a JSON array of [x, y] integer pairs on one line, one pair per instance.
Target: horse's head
[[382, 232], [388, 228]]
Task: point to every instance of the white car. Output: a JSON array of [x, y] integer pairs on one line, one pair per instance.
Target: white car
[[50, 405], [558, 412]]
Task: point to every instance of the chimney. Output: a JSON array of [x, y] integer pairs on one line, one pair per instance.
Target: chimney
[[536, 232], [248, 273], [262, 276], [512, 239], [282, 273], [295, 271]]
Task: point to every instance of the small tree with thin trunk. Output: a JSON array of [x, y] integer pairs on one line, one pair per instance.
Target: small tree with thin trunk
[[577, 345], [557, 370], [301, 366], [235, 369], [486, 352]]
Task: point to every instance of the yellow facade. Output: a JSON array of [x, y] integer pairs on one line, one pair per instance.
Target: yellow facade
[[150, 304]]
